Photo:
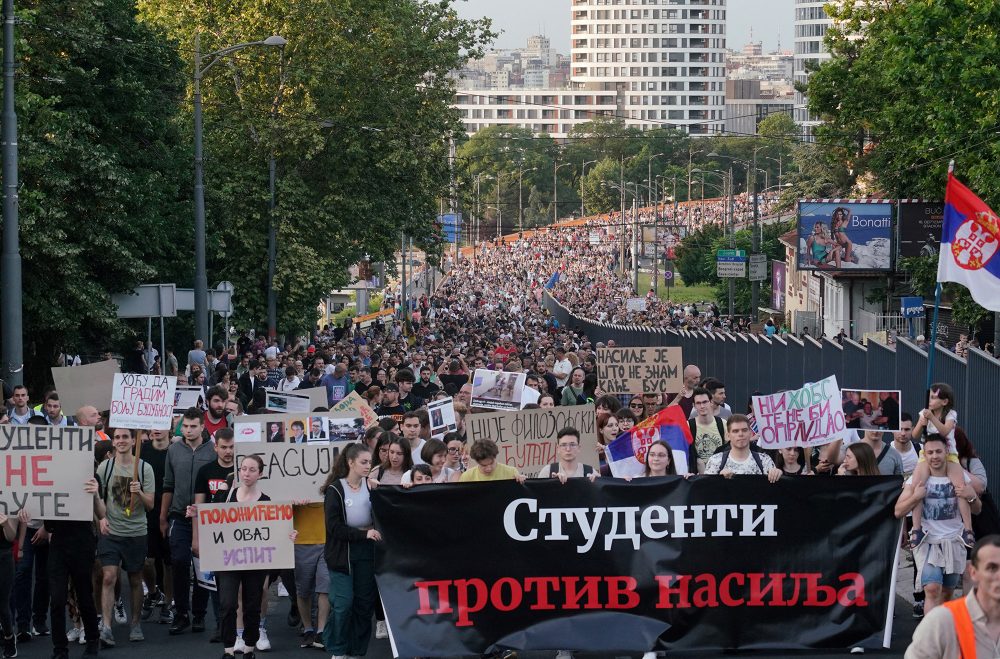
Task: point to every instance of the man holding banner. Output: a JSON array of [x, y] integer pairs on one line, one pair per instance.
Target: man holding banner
[[122, 543], [739, 458]]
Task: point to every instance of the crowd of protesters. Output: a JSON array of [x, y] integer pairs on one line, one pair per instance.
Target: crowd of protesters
[[486, 314]]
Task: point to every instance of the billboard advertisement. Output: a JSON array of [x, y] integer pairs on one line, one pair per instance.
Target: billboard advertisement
[[451, 225], [778, 273], [845, 235], [920, 228]]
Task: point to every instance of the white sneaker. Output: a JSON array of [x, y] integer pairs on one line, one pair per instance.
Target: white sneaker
[[339, 656], [381, 630], [649, 655], [74, 634], [119, 614], [263, 644], [282, 591], [857, 650], [564, 654], [241, 646]]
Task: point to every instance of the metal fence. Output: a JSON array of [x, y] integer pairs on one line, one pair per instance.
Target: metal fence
[[756, 364]]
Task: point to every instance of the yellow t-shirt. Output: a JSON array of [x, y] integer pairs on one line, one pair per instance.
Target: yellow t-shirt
[[501, 472], [310, 521]]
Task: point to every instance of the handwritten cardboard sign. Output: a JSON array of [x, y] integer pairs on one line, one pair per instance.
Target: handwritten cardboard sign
[[43, 469], [357, 406], [245, 536], [292, 472], [89, 384], [142, 402], [640, 370], [810, 416], [527, 438]]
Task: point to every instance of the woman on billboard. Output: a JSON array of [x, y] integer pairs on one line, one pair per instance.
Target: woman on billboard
[[821, 247], [839, 223]]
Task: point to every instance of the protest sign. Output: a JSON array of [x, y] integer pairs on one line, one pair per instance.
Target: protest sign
[[245, 536], [44, 468], [282, 401], [188, 396], [142, 402], [810, 416], [640, 370], [442, 415], [357, 406], [497, 390], [871, 410], [205, 579], [292, 472], [317, 426], [527, 438], [89, 384]]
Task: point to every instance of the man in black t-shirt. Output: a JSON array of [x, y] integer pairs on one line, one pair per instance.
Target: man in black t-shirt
[[390, 403], [157, 571], [424, 388]]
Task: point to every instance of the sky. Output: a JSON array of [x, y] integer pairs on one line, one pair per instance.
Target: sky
[[518, 19]]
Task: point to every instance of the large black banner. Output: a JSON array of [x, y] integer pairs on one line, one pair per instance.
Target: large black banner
[[707, 563], [920, 228]]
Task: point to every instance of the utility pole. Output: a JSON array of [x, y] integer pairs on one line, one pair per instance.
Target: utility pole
[[272, 252], [755, 242], [402, 279], [622, 190], [583, 173], [732, 242], [635, 240], [13, 341], [453, 201]]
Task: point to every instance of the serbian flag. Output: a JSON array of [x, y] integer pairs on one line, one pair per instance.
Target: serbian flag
[[969, 241], [626, 454]]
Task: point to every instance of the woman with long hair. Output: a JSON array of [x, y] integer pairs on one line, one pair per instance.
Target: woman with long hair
[[660, 460], [791, 460], [399, 460], [457, 458], [350, 553], [859, 460], [637, 408], [247, 585]]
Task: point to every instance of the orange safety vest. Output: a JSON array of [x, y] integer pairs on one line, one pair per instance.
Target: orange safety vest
[[963, 627]]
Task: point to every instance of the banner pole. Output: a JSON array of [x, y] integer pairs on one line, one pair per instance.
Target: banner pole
[[937, 307]]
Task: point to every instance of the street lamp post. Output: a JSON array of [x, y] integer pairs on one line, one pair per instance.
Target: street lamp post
[[475, 223], [500, 213], [520, 198], [583, 173], [13, 340], [499, 218], [201, 275], [555, 189]]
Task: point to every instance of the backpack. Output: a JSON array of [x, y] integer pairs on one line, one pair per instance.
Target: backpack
[[554, 469], [754, 454], [693, 427]]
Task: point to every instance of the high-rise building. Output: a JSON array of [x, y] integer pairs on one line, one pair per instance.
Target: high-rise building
[[811, 24], [654, 63]]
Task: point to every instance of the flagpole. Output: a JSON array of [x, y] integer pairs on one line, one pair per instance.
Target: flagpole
[[934, 322]]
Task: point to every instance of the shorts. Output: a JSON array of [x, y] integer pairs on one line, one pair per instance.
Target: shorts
[[311, 572], [933, 574], [115, 550]]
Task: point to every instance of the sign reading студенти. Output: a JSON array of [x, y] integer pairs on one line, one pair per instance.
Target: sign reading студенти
[[640, 370], [43, 469], [245, 536]]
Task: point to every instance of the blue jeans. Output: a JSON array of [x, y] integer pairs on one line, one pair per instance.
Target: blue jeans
[[352, 602], [31, 605], [180, 557]]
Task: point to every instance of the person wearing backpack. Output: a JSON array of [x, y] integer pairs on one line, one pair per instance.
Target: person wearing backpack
[[739, 459], [889, 462], [708, 430], [569, 465]]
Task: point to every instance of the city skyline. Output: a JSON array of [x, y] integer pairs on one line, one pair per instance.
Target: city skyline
[[552, 19]]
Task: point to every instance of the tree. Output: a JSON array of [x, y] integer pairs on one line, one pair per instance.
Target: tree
[[912, 85], [356, 111], [100, 172]]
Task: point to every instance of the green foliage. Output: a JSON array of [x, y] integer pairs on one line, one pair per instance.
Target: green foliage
[[923, 281], [100, 171], [356, 112], [920, 87], [695, 256]]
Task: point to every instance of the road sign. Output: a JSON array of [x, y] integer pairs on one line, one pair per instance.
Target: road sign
[[758, 267], [731, 253], [668, 274], [725, 269]]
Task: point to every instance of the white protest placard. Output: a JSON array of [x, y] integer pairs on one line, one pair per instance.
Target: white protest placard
[[527, 438], [142, 402], [89, 384], [188, 396], [807, 417], [43, 469], [283, 401], [292, 472], [497, 390], [442, 415], [245, 536], [640, 370], [529, 396]]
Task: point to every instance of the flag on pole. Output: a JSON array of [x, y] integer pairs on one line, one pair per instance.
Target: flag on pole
[[969, 242], [626, 454]]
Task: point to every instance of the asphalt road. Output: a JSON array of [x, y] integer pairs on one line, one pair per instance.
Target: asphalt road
[[285, 643]]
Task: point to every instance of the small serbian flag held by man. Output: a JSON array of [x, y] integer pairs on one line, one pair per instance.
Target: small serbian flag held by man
[[626, 454], [969, 243]]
